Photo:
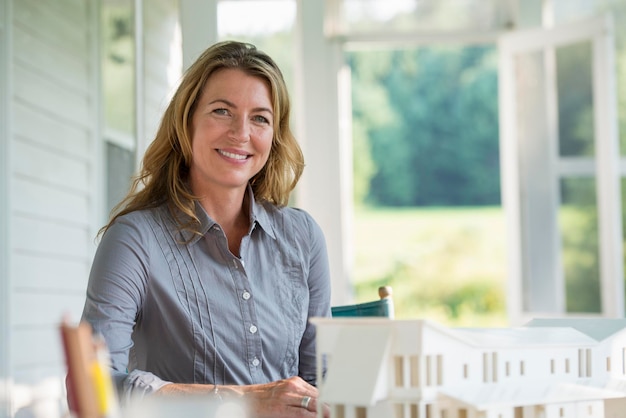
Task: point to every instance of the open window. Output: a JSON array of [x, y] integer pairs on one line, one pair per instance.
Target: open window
[[560, 171]]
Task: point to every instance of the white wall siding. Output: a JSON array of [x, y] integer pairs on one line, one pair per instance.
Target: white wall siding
[[53, 141]]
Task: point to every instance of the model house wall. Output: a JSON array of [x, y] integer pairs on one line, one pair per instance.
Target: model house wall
[[379, 368]]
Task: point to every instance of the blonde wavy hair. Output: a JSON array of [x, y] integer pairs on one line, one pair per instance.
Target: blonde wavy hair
[[164, 173]]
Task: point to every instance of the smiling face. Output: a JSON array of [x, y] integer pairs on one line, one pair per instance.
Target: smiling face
[[232, 131]]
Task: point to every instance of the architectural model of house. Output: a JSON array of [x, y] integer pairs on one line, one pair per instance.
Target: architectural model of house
[[550, 368]]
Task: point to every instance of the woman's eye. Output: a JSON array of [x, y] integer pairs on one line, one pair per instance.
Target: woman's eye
[[220, 111], [261, 119]]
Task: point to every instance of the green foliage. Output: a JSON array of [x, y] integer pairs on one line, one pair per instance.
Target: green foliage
[[578, 218], [429, 117], [446, 265]]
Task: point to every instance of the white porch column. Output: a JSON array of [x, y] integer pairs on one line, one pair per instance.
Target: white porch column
[[198, 21], [323, 189]]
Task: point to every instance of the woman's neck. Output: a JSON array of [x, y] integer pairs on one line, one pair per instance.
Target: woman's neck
[[231, 211]]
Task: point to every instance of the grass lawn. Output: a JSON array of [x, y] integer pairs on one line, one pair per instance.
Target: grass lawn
[[445, 264]]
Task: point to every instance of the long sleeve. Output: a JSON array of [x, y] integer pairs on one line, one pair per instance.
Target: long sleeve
[[115, 294]]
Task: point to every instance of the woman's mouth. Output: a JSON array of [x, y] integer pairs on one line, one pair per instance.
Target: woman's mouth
[[233, 155]]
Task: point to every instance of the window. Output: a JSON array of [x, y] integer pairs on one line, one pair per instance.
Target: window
[[414, 363], [360, 412], [398, 410], [439, 369], [340, 411], [558, 116], [118, 74], [399, 370]]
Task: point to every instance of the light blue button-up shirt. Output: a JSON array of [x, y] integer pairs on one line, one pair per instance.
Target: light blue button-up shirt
[[194, 313]]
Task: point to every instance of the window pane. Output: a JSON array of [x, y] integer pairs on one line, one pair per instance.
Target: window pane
[[120, 166], [118, 65], [578, 218], [575, 99]]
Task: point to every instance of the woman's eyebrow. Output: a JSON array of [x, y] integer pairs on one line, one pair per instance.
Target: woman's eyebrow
[[231, 104]]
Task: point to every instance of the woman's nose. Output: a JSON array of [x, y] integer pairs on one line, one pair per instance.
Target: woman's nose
[[240, 129]]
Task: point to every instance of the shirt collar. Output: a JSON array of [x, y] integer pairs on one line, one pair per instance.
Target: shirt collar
[[258, 216]]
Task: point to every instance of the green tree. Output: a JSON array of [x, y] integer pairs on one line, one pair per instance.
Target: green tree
[[431, 121]]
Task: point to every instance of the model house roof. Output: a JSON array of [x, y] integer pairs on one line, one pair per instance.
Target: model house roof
[[597, 328], [526, 337]]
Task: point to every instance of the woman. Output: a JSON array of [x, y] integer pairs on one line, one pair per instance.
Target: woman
[[204, 280]]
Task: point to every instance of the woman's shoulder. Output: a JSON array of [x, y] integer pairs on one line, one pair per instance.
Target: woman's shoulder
[[135, 223], [290, 212], [137, 217], [293, 220]]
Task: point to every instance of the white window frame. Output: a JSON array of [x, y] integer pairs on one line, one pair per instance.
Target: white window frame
[[605, 168]]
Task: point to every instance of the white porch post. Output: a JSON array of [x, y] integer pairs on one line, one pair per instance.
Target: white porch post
[[198, 27], [323, 189]]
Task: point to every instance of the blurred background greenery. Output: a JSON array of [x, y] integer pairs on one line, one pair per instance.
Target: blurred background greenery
[[445, 264]]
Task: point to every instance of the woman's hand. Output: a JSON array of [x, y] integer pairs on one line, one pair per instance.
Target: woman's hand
[[287, 398]]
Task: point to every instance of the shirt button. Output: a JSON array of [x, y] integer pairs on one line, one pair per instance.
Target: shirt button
[[253, 329], [245, 295], [255, 362]]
